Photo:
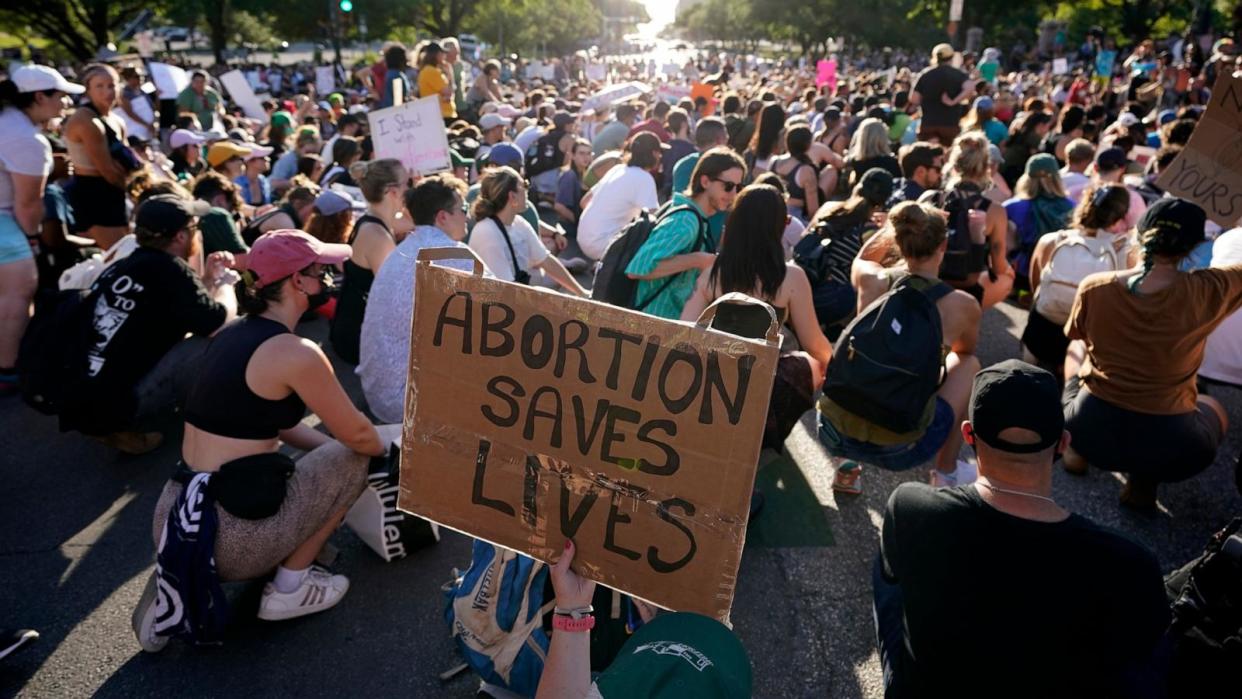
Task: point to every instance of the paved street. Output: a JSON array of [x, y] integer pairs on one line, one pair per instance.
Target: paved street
[[75, 551]]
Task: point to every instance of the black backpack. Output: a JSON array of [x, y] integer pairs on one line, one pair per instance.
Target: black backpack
[[963, 257], [826, 252], [887, 364], [55, 337], [543, 154], [1206, 633], [612, 285]]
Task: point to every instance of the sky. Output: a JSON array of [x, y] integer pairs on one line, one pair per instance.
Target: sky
[[662, 12]]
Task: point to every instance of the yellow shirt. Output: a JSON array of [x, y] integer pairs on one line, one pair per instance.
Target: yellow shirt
[[430, 81]]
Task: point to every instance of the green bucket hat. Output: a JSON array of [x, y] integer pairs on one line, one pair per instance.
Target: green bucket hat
[[282, 119], [1042, 162], [676, 656]]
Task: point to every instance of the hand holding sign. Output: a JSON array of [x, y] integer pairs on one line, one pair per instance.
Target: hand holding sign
[[572, 590]]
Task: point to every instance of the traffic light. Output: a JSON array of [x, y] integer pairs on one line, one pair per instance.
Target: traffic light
[[347, 5]]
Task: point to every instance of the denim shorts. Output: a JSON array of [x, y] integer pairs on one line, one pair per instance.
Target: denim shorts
[[896, 457], [13, 244]]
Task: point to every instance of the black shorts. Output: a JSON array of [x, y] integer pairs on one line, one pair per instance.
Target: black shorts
[[96, 202], [1045, 339], [1162, 447]]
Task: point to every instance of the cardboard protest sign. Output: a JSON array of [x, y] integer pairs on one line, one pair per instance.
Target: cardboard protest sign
[[325, 80], [532, 416], [708, 93], [241, 94], [169, 79], [412, 132], [826, 73], [1208, 171]]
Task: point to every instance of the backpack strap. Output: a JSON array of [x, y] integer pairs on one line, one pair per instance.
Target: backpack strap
[[504, 233], [702, 241]]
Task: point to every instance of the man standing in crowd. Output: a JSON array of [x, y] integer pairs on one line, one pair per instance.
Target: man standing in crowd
[[201, 100], [613, 134], [619, 195], [135, 362], [437, 205], [669, 262], [921, 165], [656, 123], [941, 91], [1006, 545]]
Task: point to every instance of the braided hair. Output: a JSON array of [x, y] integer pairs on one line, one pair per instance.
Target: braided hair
[[1163, 242]]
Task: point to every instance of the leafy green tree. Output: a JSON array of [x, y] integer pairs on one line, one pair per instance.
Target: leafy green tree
[[78, 27]]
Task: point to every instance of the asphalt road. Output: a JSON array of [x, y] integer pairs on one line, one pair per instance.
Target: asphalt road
[[75, 550]]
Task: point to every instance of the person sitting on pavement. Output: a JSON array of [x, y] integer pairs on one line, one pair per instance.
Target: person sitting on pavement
[[569, 187], [505, 241], [1006, 544], [375, 235], [1110, 166], [135, 362], [752, 262], [799, 173], [292, 212], [670, 656], [438, 209], [921, 166], [1136, 343], [916, 235], [669, 261], [256, 511], [1039, 207], [617, 198], [969, 175], [1099, 230], [553, 238]]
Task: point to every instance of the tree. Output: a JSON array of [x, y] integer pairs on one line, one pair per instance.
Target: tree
[[558, 26], [79, 27], [444, 17]]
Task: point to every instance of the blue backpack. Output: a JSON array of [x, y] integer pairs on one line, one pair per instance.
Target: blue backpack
[[495, 610]]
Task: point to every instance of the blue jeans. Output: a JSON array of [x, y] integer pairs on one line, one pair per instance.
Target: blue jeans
[[897, 457]]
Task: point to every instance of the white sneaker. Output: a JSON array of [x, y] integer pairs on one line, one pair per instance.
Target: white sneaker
[[319, 590], [143, 619], [965, 474]]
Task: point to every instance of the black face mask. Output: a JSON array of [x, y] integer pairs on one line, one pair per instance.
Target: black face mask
[[327, 290]]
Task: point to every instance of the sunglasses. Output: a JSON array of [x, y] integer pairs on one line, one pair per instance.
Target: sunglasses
[[324, 276], [728, 186]]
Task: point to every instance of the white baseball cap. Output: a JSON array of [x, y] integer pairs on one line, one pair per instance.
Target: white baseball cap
[[182, 137], [491, 121], [35, 78], [1127, 119], [257, 151]]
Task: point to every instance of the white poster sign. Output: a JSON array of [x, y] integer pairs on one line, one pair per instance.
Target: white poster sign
[[1060, 66], [241, 94], [596, 71], [325, 80], [412, 133], [170, 80]]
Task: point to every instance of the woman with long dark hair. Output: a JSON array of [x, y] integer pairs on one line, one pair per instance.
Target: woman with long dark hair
[[1025, 136], [799, 173], [751, 261], [767, 139], [1136, 343]]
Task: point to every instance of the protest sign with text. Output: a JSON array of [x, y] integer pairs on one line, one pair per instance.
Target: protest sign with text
[[412, 132], [532, 416], [1208, 171]]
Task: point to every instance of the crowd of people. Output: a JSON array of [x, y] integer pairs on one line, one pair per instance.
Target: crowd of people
[[158, 255]]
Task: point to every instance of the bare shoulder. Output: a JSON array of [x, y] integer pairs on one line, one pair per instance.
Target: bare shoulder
[[291, 351], [960, 305]]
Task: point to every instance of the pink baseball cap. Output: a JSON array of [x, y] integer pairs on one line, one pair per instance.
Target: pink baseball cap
[[278, 254]]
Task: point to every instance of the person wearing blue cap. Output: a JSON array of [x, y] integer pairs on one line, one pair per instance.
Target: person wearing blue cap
[[982, 117]]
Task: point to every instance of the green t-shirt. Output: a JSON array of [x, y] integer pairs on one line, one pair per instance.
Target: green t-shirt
[[901, 121], [203, 106]]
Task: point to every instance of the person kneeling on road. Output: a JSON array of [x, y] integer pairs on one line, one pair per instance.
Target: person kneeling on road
[[237, 509], [884, 402], [978, 574]]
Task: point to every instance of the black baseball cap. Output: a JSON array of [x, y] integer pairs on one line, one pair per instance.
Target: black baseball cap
[[165, 214], [1110, 159], [1178, 216], [1016, 394]]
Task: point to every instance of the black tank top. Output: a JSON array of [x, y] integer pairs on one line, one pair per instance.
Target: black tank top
[[221, 403], [352, 302]]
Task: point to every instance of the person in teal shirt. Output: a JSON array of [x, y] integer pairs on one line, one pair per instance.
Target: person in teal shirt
[[668, 263], [710, 133]]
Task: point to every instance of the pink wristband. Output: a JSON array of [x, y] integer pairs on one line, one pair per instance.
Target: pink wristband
[[565, 623]]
